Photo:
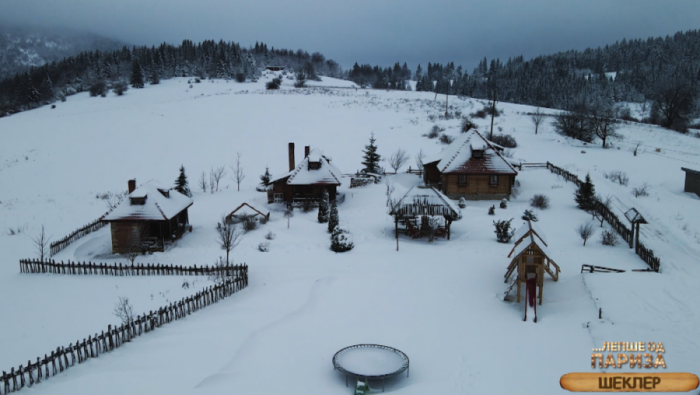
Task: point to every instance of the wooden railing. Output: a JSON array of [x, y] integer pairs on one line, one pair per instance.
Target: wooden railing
[[646, 254]]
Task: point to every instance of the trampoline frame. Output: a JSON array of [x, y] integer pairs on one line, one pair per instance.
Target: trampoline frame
[[339, 367]]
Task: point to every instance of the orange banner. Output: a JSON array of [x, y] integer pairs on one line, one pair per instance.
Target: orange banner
[[629, 382]]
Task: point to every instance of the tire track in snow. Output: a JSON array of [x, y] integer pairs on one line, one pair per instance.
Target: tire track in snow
[[249, 343]]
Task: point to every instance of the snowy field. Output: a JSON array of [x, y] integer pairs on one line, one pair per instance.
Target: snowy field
[[441, 303]]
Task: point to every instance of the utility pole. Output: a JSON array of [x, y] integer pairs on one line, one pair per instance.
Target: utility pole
[[447, 98], [493, 111]]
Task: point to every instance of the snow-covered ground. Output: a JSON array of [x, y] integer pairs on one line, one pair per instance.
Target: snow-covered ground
[[441, 303]]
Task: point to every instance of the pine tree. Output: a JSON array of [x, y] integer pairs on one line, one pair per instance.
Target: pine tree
[[371, 157], [585, 195], [333, 220], [181, 183], [136, 74], [341, 240], [265, 178], [529, 216], [323, 207]]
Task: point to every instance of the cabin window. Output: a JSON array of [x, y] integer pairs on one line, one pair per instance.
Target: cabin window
[[493, 180], [279, 197], [138, 201], [462, 180], [314, 165], [477, 154]]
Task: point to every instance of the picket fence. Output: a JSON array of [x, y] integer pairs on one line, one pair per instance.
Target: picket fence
[[232, 279]]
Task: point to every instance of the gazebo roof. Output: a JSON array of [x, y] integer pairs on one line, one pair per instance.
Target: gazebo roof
[[247, 210], [421, 200]]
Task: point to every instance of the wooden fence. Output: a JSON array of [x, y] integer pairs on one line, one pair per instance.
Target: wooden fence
[[62, 358], [117, 269], [626, 233], [360, 182], [57, 246]]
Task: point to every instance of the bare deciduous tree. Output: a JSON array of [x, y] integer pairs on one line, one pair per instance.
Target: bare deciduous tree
[[215, 176], [124, 310], [603, 124], [228, 236], [237, 169], [537, 118], [289, 213], [41, 242], [398, 159], [114, 199], [419, 160], [585, 231], [203, 181]]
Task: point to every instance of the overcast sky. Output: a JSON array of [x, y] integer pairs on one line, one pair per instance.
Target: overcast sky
[[372, 31]]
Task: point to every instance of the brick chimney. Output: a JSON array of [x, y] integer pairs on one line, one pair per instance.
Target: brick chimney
[[307, 149], [132, 185], [292, 163]]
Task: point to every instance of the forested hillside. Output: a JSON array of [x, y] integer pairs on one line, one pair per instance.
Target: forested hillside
[[626, 71], [143, 65]]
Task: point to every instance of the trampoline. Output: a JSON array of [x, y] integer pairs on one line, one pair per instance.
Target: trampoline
[[370, 362]]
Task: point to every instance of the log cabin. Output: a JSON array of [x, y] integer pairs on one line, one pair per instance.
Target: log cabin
[[305, 181], [149, 218], [471, 167]]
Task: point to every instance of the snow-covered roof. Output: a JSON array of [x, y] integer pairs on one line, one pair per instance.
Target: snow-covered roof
[[156, 207], [525, 228], [247, 210], [527, 242], [457, 157], [421, 200], [327, 174]]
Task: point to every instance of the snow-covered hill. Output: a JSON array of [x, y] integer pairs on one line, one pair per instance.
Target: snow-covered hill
[[22, 48], [441, 303]]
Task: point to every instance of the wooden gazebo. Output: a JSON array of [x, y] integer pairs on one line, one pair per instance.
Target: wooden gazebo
[[422, 201], [530, 255]]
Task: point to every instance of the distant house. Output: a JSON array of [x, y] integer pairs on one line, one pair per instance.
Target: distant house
[[148, 219], [470, 167], [692, 181], [306, 181], [245, 211], [274, 68]]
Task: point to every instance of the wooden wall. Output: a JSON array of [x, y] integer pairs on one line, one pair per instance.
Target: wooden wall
[[476, 185], [123, 234], [432, 174], [692, 182]]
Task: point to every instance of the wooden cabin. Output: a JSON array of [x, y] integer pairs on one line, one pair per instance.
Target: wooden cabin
[[471, 167], [151, 217], [245, 211], [692, 181], [530, 256], [305, 181]]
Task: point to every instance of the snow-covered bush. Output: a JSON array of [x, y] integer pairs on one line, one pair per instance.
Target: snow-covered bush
[[264, 246], [608, 238], [250, 223], [341, 240], [446, 139], [270, 235], [617, 176], [540, 201], [434, 132], [503, 231], [98, 88], [120, 87], [492, 210], [529, 216], [642, 190], [585, 231], [504, 203], [504, 140], [462, 202]]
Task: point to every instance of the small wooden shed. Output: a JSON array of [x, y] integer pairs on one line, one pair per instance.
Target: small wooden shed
[[692, 181], [530, 255], [245, 211]]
